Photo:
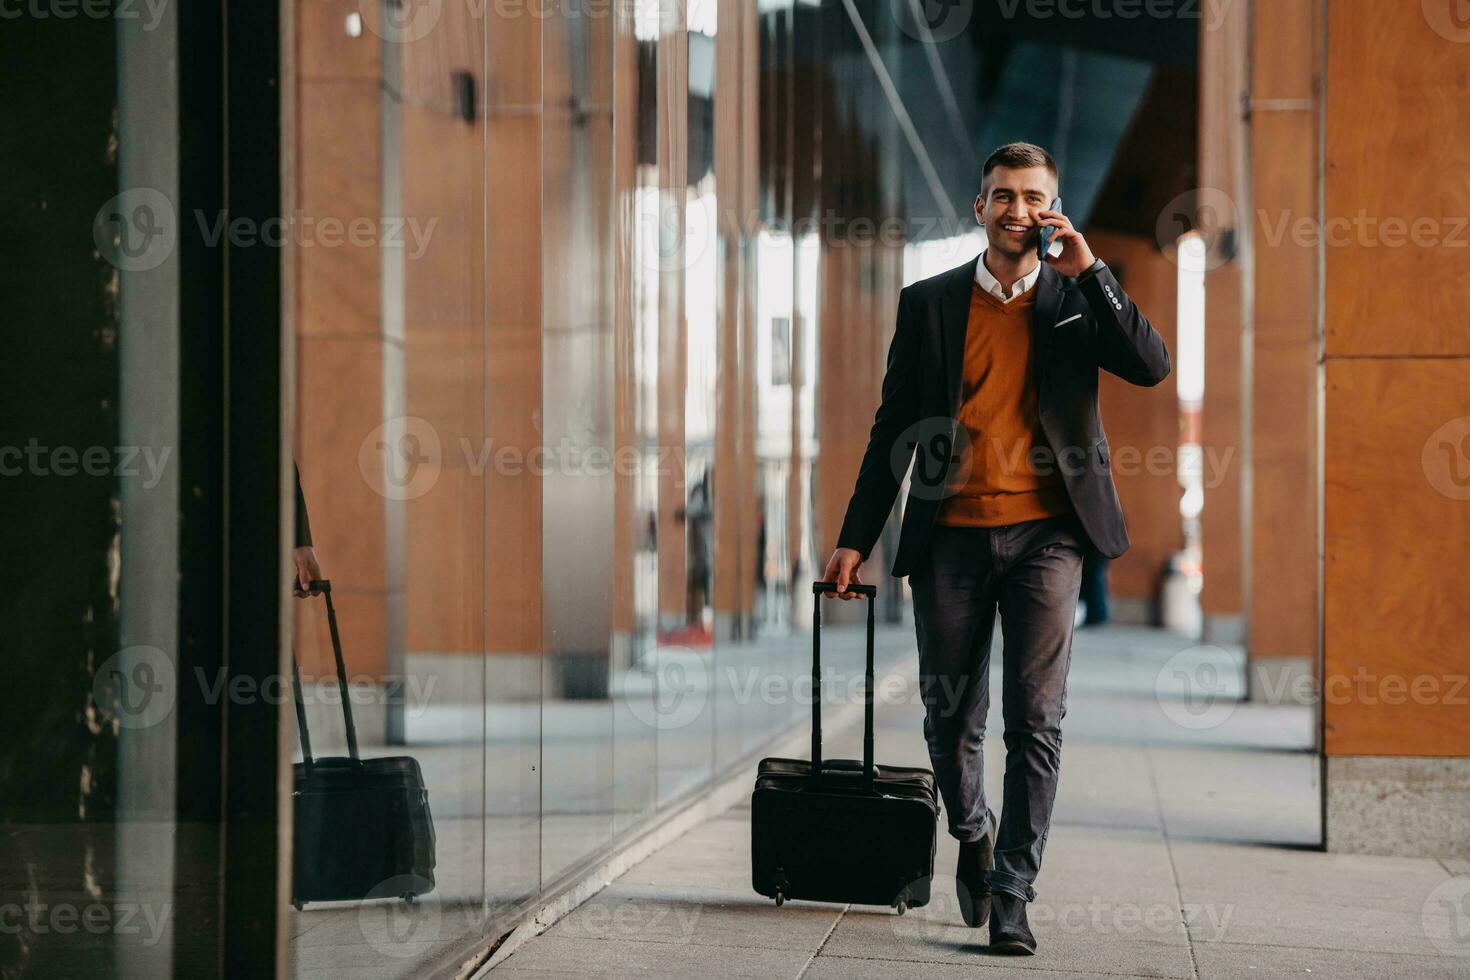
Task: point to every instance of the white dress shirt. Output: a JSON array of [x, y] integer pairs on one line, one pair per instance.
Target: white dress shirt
[[992, 285]]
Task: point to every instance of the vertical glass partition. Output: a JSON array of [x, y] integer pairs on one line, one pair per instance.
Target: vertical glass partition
[[557, 426]]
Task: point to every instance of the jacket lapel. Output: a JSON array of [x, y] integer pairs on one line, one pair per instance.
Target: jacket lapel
[[954, 314], [954, 308], [1044, 317]]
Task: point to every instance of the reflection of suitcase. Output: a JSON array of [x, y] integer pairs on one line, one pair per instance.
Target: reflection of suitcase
[[839, 830], [363, 828]]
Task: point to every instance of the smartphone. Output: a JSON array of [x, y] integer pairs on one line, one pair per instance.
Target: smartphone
[[1048, 232]]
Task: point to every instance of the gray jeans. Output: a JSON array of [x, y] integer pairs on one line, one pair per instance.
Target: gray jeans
[[1031, 571]]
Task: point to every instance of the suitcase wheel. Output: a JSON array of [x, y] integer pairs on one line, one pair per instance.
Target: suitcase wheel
[[298, 905], [410, 899], [780, 899], [901, 903]]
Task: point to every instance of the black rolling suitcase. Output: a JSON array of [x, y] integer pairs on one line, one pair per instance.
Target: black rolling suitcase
[[839, 830], [363, 827]]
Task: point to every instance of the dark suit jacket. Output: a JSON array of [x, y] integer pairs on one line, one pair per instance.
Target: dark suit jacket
[[1079, 326], [303, 523]]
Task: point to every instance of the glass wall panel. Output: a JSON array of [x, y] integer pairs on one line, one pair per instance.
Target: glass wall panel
[[577, 414], [635, 659], [578, 426], [512, 499], [408, 510]]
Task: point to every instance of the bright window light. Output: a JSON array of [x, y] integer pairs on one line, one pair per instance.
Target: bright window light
[[1190, 363]]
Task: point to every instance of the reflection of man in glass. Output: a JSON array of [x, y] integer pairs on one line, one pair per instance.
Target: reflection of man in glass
[[1020, 342], [308, 570]]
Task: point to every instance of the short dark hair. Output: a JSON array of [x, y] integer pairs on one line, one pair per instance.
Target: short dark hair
[[1018, 156]]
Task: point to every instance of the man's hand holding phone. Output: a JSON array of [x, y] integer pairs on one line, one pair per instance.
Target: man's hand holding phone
[[1076, 257], [842, 568]]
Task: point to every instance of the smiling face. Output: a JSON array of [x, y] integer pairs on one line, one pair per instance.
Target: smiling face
[[1009, 206]]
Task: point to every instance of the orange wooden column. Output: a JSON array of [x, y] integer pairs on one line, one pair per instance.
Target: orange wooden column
[[513, 350], [1143, 428], [340, 339], [736, 143], [444, 344], [672, 100], [1222, 217], [1397, 431], [629, 504], [1281, 630]]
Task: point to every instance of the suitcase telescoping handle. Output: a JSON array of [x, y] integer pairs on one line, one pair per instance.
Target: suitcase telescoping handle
[[324, 586], [871, 591]]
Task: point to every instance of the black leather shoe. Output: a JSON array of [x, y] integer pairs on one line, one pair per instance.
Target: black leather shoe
[[976, 858], [1009, 932]]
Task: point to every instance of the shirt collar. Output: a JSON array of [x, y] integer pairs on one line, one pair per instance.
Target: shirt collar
[[992, 285]]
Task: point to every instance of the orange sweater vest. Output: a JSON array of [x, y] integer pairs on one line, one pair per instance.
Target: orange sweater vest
[[995, 483]]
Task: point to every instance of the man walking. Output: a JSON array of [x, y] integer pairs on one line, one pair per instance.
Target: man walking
[[992, 377]]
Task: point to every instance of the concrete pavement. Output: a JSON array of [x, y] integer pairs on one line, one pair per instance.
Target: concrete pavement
[[1185, 844]]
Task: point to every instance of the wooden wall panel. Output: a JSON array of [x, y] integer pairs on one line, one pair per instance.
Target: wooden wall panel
[[1283, 618], [737, 474], [1399, 128], [1284, 122], [444, 376], [324, 49], [672, 99], [513, 355], [1224, 166], [340, 402], [1222, 440], [339, 178], [1398, 369], [339, 332], [629, 520], [1396, 613]]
